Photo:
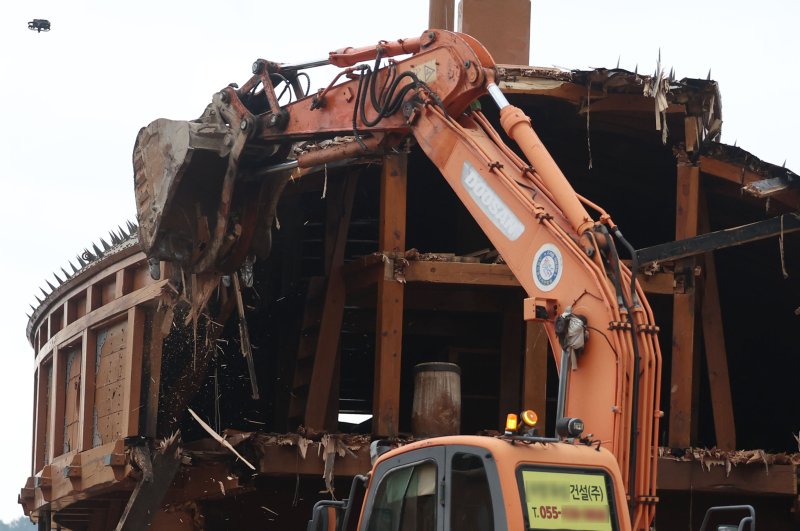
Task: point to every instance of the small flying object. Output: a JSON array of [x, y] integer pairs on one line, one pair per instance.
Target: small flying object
[[39, 25]]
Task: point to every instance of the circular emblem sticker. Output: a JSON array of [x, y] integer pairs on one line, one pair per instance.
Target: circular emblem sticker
[[547, 267]]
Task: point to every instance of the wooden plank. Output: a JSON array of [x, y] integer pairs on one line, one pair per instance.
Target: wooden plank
[[109, 390], [72, 398], [460, 273], [389, 322], [755, 479], [286, 461], [682, 386], [132, 384], [511, 359], [88, 367], [716, 353], [534, 381], [327, 348]]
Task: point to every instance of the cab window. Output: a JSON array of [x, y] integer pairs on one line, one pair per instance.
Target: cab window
[[406, 500], [470, 495]]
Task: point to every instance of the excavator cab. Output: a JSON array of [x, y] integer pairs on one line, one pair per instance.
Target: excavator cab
[[476, 483]]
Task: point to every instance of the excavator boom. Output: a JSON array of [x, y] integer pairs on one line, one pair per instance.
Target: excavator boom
[[205, 188]]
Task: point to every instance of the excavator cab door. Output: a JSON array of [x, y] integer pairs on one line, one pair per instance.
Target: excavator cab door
[[440, 488], [406, 493]]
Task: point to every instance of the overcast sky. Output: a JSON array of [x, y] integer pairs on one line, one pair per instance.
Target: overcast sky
[[74, 99]]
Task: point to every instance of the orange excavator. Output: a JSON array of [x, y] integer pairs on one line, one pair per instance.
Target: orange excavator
[[206, 194]]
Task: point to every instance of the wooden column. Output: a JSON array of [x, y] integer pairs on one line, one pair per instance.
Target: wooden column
[[132, 386], [56, 418], [389, 324], [160, 327], [534, 382], [683, 397], [41, 421], [88, 368], [714, 345], [321, 400]]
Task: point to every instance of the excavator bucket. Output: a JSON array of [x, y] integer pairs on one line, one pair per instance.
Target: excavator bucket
[[178, 172]]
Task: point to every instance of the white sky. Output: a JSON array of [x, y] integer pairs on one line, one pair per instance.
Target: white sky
[[75, 98]]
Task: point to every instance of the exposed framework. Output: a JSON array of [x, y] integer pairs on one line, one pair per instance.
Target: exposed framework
[[57, 481]]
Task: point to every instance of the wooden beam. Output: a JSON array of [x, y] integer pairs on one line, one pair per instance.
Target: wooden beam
[[534, 382], [716, 353], [682, 386], [323, 374], [755, 479], [460, 273], [389, 322], [132, 385], [721, 239], [104, 313]]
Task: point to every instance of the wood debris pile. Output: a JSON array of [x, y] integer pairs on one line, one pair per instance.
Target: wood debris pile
[[302, 148], [711, 457]]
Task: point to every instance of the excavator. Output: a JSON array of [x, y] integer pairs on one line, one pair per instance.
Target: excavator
[[206, 194]]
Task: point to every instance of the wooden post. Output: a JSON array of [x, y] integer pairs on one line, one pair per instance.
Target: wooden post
[[41, 424], [88, 367], [534, 382], [716, 354], [56, 420], [162, 320], [389, 322], [323, 375], [132, 386], [682, 387]]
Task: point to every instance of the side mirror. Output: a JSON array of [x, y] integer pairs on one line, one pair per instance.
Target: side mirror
[[746, 523]]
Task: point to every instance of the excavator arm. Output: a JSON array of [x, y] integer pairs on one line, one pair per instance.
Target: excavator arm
[[204, 187]]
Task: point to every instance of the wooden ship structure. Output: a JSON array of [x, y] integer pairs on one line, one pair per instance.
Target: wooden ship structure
[[376, 267]]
